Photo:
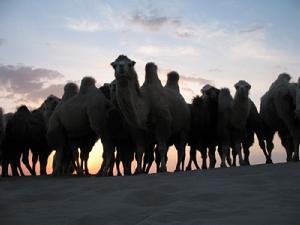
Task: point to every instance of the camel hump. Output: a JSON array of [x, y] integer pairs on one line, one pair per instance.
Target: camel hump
[[23, 109], [86, 84], [71, 88], [172, 80], [282, 78], [151, 74], [173, 77]]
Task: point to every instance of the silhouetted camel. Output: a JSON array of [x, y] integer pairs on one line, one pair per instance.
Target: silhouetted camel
[[15, 144], [279, 110], [37, 128], [204, 114]]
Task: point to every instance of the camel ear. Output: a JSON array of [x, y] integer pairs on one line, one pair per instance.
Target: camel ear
[[113, 64], [249, 87], [236, 86], [132, 63]]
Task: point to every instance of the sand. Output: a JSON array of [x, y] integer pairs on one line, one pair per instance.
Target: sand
[[261, 194]]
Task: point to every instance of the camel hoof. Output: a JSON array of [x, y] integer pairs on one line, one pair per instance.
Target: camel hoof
[[269, 161], [296, 158], [55, 174], [137, 172], [162, 170], [188, 168], [177, 170], [223, 165]]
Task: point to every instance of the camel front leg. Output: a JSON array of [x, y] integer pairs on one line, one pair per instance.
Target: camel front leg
[[296, 150], [108, 151]]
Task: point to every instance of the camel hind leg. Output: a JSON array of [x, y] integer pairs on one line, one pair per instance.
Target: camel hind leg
[[25, 161], [193, 158], [203, 151], [34, 162], [180, 155], [212, 157]]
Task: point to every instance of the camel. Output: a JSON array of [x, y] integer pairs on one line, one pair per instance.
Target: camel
[[225, 103], [204, 114], [241, 106], [37, 128], [15, 144], [83, 115], [254, 125], [279, 110], [151, 149], [151, 110]]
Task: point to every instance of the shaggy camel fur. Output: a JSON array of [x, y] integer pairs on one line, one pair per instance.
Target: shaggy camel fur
[[83, 115], [204, 117], [279, 110], [151, 110]]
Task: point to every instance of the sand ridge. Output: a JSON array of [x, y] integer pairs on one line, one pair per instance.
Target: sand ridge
[[262, 194]]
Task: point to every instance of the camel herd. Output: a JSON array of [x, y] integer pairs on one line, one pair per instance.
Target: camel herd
[[142, 122]]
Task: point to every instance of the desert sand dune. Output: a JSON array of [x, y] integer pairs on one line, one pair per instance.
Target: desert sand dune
[[261, 194]]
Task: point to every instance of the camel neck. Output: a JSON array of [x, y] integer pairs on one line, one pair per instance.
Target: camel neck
[[128, 97]]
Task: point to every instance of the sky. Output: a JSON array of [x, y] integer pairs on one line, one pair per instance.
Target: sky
[[44, 44]]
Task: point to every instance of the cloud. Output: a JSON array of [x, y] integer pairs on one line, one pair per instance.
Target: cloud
[[198, 80], [149, 22], [82, 25], [154, 50], [2, 40], [253, 28], [25, 84]]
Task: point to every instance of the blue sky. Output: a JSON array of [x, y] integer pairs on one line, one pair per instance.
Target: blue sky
[[205, 41], [43, 44]]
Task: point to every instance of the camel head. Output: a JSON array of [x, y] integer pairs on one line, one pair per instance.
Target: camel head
[[242, 88], [105, 89], [210, 92], [122, 66]]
